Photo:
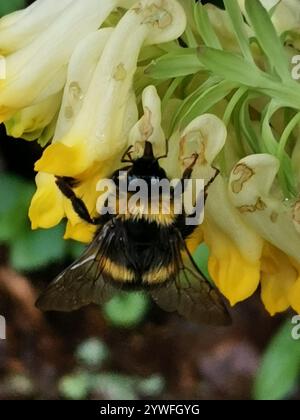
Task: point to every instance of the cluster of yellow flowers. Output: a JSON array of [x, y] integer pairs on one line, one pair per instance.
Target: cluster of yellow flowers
[[87, 78]]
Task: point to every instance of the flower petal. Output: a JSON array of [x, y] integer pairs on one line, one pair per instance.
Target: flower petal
[[81, 69], [57, 156], [255, 194], [46, 209], [148, 128], [205, 136], [278, 277], [34, 119], [81, 232], [236, 276], [39, 69], [18, 29], [235, 249], [98, 128]]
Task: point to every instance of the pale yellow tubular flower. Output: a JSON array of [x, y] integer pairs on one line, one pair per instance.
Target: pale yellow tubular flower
[[279, 280], [97, 133], [235, 250], [182, 148], [81, 67], [80, 72], [205, 136], [223, 27], [38, 70], [148, 128], [255, 194], [30, 122], [47, 207], [18, 29], [286, 15], [77, 229], [268, 4]]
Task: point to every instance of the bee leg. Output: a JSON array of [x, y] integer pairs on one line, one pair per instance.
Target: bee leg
[[180, 223], [189, 170], [180, 188], [209, 183], [72, 182], [166, 153], [127, 158], [78, 205]]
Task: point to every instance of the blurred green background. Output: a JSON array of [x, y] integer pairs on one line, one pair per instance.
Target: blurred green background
[[129, 349]]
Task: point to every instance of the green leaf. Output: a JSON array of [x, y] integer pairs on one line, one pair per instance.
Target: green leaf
[[35, 250], [176, 64], [190, 38], [205, 27], [204, 102], [238, 25], [247, 128], [170, 91], [8, 6], [191, 99], [286, 175], [280, 368], [126, 310], [267, 37], [232, 104], [15, 196], [232, 67]]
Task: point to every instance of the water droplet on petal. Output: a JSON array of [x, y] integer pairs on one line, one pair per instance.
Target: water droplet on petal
[[120, 73], [75, 91], [100, 135]]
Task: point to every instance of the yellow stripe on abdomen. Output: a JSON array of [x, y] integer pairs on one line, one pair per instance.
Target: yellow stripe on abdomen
[[160, 275], [118, 272]]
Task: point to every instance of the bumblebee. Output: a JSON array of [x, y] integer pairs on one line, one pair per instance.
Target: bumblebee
[[136, 253]]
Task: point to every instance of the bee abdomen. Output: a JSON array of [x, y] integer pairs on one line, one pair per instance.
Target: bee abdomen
[[160, 275], [118, 272]]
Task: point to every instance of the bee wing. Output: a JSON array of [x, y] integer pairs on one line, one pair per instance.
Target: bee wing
[[191, 295], [80, 284]]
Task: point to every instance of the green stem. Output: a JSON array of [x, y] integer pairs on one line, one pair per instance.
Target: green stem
[[232, 104], [286, 135]]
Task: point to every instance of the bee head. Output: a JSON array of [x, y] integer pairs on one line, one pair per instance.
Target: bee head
[[147, 166]]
